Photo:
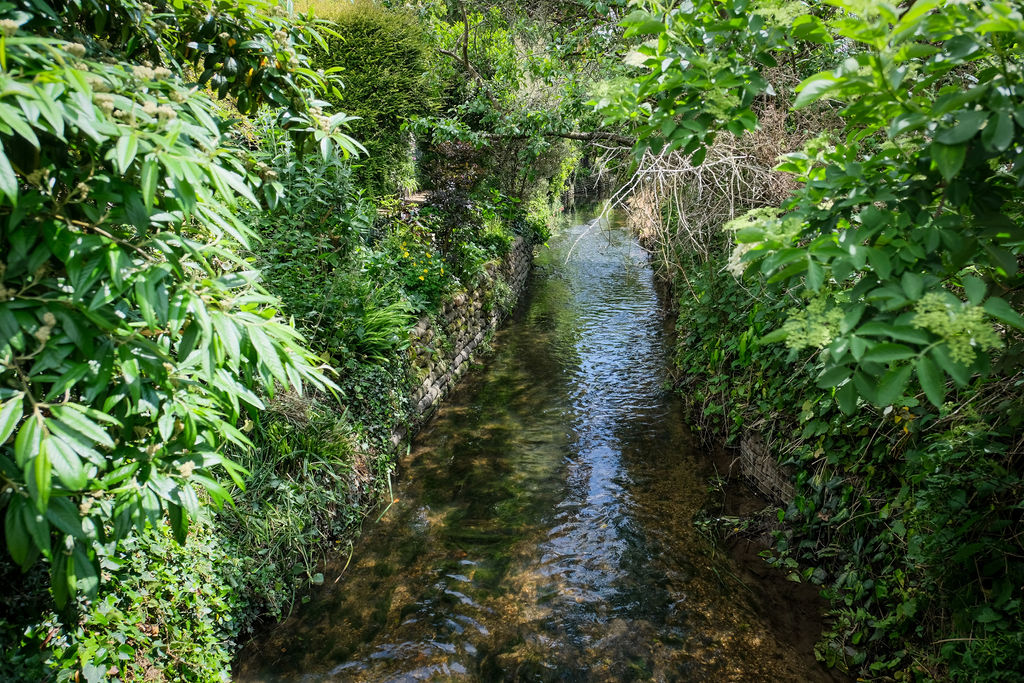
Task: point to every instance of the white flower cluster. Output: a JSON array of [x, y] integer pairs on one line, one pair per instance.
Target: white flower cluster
[[148, 73], [163, 112], [42, 335], [104, 102], [735, 265], [9, 27]]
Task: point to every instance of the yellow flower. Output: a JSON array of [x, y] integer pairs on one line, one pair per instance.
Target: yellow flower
[[426, 270], [430, 256], [442, 270], [421, 277]]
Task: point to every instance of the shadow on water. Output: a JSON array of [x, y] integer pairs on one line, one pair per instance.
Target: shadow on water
[[544, 530]]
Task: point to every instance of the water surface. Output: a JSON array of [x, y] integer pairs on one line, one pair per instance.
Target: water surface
[[544, 529]]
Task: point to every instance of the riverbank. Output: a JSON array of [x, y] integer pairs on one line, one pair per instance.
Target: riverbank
[[320, 464], [868, 505]]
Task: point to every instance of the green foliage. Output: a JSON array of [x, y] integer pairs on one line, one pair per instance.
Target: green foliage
[[166, 611], [336, 298], [311, 478], [383, 54], [513, 85], [896, 401], [410, 256], [703, 72], [919, 191], [131, 336], [951, 221], [142, 357], [907, 518]]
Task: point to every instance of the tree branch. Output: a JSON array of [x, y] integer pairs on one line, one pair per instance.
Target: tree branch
[[464, 61], [585, 136]]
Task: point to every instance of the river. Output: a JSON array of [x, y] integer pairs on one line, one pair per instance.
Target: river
[[544, 528]]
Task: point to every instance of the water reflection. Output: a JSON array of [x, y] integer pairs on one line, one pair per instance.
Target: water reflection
[[544, 530]]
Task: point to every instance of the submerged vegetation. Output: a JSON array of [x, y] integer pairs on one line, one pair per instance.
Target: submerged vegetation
[[209, 272]]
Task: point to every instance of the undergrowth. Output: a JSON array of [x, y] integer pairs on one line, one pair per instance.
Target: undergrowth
[[909, 517]]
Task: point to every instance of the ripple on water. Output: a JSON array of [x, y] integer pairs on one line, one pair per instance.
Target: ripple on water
[[545, 524]]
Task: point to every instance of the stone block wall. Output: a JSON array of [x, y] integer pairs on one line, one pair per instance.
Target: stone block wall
[[442, 348]]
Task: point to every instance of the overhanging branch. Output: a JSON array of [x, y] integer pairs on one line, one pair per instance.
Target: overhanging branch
[[585, 136]]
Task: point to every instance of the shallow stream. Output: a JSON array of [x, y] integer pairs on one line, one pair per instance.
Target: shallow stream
[[544, 529]]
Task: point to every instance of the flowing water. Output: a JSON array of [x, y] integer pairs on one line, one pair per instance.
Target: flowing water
[[544, 529]]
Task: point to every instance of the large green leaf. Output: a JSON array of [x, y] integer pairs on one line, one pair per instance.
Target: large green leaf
[[814, 88], [892, 384], [11, 412], [999, 309], [932, 380], [887, 352], [948, 159]]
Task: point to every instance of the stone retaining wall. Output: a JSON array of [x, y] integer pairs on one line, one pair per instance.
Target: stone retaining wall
[[442, 348], [759, 465]]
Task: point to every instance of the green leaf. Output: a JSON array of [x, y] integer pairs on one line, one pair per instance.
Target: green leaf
[[86, 574], [966, 125], [987, 615], [42, 477], [913, 285], [149, 177], [932, 380], [8, 180], [1000, 310], [833, 376], [810, 28], [814, 88], [83, 425], [948, 159], [815, 275], [892, 384], [881, 262], [227, 334], [66, 463], [1004, 260], [865, 386], [59, 580], [960, 373], [906, 333], [38, 528], [887, 352], [13, 118], [639, 23], [16, 534], [26, 445], [179, 522], [267, 353], [846, 396], [64, 515], [10, 413], [125, 151], [773, 337], [218, 494], [998, 134], [858, 345], [975, 289]]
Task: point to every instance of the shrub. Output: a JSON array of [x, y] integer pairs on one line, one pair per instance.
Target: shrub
[[385, 61], [132, 337], [166, 612]]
